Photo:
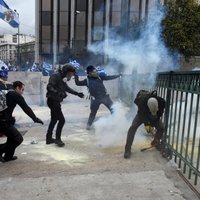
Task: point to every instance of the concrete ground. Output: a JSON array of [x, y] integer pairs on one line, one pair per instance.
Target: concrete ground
[[85, 169]]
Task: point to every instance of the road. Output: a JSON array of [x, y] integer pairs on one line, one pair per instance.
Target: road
[[88, 167]]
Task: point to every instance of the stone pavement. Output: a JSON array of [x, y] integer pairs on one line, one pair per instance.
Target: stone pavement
[[85, 169]]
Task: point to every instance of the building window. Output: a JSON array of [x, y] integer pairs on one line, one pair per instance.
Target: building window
[[46, 30], [64, 18], [134, 8], [46, 5], [46, 18], [46, 47], [64, 5], [98, 20], [63, 28], [80, 24], [99, 5], [116, 12], [81, 5]]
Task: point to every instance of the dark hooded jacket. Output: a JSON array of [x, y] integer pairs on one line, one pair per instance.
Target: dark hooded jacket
[[144, 112], [95, 85], [57, 88]]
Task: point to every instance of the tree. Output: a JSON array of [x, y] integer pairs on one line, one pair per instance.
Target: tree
[[181, 30]]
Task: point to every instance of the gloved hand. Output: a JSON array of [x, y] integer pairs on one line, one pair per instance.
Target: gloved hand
[[37, 120], [80, 94]]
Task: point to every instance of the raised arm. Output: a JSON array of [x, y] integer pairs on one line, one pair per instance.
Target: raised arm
[[107, 78], [80, 83], [71, 91]]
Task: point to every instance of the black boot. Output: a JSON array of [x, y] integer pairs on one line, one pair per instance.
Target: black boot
[[59, 142], [127, 154], [49, 139], [7, 159]]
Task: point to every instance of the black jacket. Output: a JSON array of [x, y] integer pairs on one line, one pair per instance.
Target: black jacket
[[57, 88], [144, 112], [95, 85], [12, 99]]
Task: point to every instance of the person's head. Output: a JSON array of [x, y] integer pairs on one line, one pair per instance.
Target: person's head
[[91, 71], [18, 86], [4, 75], [152, 104], [67, 71]]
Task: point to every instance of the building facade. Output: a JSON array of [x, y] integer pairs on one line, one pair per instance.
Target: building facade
[[12, 48], [8, 52], [70, 26]]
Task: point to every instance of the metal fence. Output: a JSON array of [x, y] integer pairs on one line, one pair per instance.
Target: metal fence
[[182, 119]]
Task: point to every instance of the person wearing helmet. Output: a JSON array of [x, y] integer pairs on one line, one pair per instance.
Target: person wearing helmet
[[150, 110], [97, 90], [4, 84], [56, 92]]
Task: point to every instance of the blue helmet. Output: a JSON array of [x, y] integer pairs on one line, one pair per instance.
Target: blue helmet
[[4, 73]]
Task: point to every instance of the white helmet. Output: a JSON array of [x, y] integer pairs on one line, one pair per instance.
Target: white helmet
[[152, 104]]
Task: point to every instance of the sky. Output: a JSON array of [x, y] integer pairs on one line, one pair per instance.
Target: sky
[[26, 10]]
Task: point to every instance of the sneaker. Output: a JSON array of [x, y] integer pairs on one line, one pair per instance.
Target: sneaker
[[127, 154], [88, 127], [7, 159], [50, 141], [1, 158], [60, 143]]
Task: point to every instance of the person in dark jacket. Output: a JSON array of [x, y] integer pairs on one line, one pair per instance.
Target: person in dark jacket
[[150, 111], [97, 90], [56, 92], [7, 121]]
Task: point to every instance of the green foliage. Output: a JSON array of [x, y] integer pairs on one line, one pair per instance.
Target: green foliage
[[181, 27]]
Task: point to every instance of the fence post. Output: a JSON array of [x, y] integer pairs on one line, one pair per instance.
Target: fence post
[[165, 149]]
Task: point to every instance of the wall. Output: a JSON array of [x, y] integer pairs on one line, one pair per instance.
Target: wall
[[32, 81]]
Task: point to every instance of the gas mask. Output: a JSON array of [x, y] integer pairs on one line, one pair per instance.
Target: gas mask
[[67, 78], [94, 74]]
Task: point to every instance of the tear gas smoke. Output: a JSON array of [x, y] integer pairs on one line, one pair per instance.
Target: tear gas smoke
[[147, 55], [112, 129], [107, 129]]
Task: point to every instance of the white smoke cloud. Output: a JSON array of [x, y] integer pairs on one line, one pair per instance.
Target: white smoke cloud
[[112, 129], [147, 55]]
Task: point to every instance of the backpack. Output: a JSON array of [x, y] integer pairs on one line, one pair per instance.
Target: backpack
[[3, 104], [144, 94]]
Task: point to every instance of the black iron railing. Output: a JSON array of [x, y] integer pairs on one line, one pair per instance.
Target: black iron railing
[[182, 119]]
